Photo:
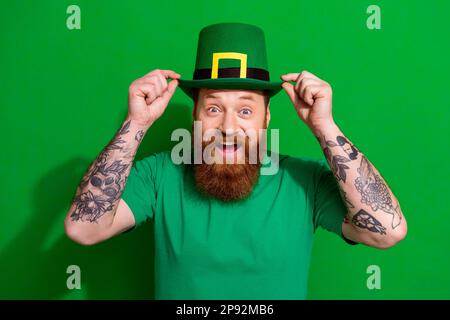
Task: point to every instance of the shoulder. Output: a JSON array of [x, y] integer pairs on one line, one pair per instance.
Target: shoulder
[[301, 164], [155, 164], [302, 168], [157, 158]]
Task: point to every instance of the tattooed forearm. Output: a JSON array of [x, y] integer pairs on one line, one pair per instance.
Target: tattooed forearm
[[344, 197], [108, 181], [359, 184], [375, 193], [139, 135], [365, 220], [103, 184], [337, 162]]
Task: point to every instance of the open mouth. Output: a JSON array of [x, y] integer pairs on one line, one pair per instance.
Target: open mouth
[[228, 147]]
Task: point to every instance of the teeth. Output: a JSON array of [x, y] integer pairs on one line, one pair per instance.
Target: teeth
[[228, 144]]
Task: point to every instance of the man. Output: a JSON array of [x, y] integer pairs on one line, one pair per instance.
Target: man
[[225, 230]]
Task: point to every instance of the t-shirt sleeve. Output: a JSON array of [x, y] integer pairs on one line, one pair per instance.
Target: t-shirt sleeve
[[329, 208], [140, 189]]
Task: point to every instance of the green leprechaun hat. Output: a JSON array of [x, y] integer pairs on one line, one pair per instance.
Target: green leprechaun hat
[[231, 56]]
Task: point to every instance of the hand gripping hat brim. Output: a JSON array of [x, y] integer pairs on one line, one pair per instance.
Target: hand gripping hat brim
[[231, 56]]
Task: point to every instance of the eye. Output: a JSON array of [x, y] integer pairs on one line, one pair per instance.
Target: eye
[[246, 112], [213, 109]]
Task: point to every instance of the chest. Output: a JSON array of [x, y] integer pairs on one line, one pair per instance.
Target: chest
[[269, 230]]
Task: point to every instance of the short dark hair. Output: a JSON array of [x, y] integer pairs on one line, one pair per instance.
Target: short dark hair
[[195, 92]]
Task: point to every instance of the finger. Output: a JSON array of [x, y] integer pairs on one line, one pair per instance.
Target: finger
[[156, 81], [152, 95], [298, 76], [307, 74], [167, 94], [289, 88], [146, 91], [159, 78], [304, 82], [311, 93], [170, 74], [152, 73], [164, 73], [290, 77], [163, 82]]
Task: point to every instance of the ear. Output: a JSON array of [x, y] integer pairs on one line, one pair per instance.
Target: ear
[[268, 115], [194, 110]]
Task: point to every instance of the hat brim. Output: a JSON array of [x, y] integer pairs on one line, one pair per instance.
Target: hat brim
[[272, 87]]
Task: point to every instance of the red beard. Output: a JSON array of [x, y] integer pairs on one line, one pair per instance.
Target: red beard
[[227, 182]]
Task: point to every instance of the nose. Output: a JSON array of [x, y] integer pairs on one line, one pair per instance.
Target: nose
[[228, 123]]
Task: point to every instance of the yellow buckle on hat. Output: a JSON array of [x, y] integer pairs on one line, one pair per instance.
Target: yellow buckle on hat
[[229, 55]]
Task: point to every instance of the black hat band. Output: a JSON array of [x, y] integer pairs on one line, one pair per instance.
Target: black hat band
[[254, 73]]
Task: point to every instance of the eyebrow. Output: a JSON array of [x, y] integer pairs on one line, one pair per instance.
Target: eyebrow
[[243, 97]]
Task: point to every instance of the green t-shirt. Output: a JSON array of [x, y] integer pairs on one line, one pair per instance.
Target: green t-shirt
[[258, 248]]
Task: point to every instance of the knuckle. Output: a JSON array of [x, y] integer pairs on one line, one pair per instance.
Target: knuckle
[[149, 80], [151, 74], [157, 93], [161, 78], [132, 87], [307, 90]]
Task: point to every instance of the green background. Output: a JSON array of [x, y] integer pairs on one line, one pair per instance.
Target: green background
[[64, 94]]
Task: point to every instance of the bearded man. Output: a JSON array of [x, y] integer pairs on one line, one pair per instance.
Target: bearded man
[[223, 227]]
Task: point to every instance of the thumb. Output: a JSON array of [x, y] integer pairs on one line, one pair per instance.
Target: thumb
[[289, 88], [168, 93]]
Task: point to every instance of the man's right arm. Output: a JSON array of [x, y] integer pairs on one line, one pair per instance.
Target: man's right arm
[[97, 211], [92, 215]]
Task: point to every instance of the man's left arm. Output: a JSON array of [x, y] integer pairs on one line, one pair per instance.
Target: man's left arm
[[374, 216]]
